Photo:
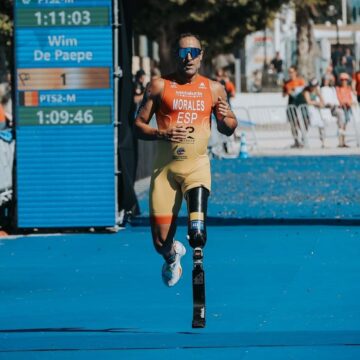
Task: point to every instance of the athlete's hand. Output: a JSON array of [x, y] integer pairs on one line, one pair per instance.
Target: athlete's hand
[[222, 108], [176, 134]]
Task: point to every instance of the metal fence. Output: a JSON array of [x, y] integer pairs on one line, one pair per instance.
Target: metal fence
[[275, 127], [264, 126], [321, 123]]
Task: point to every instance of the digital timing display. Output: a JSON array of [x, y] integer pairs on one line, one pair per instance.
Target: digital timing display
[[63, 54], [68, 17], [89, 115], [64, 113]]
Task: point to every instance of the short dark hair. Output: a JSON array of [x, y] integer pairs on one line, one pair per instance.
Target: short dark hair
[[185, 35], [313, 82], [139, 74]]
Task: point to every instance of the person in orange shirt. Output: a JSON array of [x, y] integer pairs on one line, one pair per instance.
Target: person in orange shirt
[[223, 78], [346, 100], [357, 84], [293, 88], [229, 87], [2, 118], [183, 103]]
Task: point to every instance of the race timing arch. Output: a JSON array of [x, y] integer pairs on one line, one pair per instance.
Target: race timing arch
[[66, 79]]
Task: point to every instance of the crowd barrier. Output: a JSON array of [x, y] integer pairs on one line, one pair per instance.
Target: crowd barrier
[[356, 122], [274, 126], [7, 148], [317, 121], [263, 125]]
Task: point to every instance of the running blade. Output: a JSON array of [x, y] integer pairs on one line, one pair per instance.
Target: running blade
[[198, 276]]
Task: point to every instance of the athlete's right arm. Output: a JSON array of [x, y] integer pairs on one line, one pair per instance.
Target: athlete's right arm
[[149, 105]]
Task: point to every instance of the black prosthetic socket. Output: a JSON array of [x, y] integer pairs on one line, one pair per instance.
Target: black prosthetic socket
[[197, 208]]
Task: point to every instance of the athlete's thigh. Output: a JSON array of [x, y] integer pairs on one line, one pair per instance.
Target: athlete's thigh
[[200, 175], [165, 198]]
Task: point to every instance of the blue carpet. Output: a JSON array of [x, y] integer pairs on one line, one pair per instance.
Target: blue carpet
[[270, 290], [300, 187], [273, 292]]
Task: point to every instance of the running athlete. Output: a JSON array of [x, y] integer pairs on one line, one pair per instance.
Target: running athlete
[[183, 103]]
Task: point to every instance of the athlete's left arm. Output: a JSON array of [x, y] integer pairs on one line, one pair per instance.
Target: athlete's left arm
[[225, 118]]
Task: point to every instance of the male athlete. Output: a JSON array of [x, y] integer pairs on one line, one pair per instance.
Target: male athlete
[[183, 103]]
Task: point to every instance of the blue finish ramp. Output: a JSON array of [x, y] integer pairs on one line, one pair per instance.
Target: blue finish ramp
[[273, 292]]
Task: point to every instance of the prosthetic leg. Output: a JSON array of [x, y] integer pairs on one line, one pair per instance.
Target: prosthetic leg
[[197, 207]]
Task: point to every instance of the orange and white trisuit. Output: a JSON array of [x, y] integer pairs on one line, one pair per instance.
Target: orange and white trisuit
[[179, 167]]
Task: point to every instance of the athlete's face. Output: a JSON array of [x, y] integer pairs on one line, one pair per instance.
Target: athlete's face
[[189, 65]]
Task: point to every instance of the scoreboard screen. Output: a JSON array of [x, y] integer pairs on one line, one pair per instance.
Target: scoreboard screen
[[64, 97]]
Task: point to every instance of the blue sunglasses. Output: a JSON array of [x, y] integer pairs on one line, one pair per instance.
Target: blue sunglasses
[[194, 52]]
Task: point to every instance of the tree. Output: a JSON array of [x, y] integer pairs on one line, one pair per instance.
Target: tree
[[6, 18], [6, 35], [307, 49], [221, 24], [308, 12]]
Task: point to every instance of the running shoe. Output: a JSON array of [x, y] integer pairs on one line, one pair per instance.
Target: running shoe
[[171, 273]]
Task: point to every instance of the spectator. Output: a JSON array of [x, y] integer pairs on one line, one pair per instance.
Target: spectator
[[229, 87], [277, 66], [139, 87], [357, 84], [339, 69], [223, 78], [256, 83], [350, 63], [336, 56], [345, 96], [329, 71], [155, 73], [219, 76], [2, 118], [5, 99], [314, 102], [292, 88], [332, 104]]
